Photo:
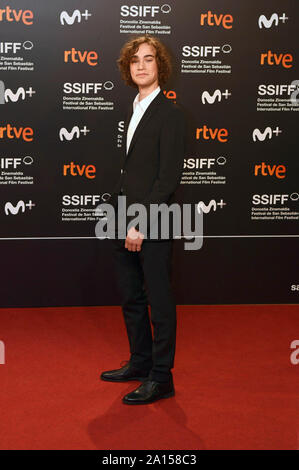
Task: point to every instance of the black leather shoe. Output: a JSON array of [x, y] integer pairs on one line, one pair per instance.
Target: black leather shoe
[[148, 392], [124, 374]]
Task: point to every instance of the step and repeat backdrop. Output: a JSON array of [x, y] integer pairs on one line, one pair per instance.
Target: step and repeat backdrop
[[62, 111]]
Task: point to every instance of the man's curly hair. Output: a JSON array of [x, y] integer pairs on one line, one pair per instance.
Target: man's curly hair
[[162, 57]]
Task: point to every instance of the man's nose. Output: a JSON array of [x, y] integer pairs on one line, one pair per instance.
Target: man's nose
[[140, 65]]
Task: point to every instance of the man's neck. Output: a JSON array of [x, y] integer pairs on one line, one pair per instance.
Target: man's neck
[[145, 91]]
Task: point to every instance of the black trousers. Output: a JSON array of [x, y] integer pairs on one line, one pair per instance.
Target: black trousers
[[144, 278]]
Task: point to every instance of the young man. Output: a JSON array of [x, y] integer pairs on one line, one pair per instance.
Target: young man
[[151, 169]]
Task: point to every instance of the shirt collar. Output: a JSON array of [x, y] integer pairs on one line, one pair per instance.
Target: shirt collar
[[147, 100]]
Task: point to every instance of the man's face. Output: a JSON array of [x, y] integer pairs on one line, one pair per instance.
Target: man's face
[[143, 66]]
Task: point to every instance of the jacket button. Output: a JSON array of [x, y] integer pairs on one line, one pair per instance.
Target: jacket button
[[122, 171]]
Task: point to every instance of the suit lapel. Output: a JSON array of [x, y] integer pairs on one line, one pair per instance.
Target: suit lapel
[[146, 116], [127, 121]]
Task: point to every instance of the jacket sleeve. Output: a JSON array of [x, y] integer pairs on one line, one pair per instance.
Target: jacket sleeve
[[172, 150]]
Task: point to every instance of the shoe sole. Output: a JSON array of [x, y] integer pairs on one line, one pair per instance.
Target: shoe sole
[[140, 379], [166, 395]]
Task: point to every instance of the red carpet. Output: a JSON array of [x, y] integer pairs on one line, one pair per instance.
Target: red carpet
[[236, 387]]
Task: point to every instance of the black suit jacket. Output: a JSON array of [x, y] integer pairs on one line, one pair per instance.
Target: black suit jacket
[[151, 170]]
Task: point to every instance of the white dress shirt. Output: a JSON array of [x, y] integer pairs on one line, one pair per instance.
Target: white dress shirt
[[139, 108]]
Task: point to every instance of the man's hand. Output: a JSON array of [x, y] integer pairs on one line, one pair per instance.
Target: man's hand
[[134, 240]]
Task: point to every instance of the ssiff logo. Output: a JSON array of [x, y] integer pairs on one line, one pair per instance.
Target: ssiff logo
[[87, 87], [279, 89], [6, 47], [201, 163], [205, 51], [10, 15], [144, 10], [2, 353], [6, 94], [8, 162], [273, 199]]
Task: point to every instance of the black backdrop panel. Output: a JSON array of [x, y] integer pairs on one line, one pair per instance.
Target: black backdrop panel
[[62, 105]]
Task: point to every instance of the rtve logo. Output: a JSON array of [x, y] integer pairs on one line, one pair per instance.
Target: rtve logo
[[271, 58], [11, 209], [274, 19], [7, 94], [205, 51], [11, 132], [212, 19], [263, 169], [266, 134], [200, 163], [91, 57], [265, 199], [64, 134], [202, 207], [206, 97], [8, 14], [144, 10], [8, 162], [206, 133], [73, 169], [65, 18]]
